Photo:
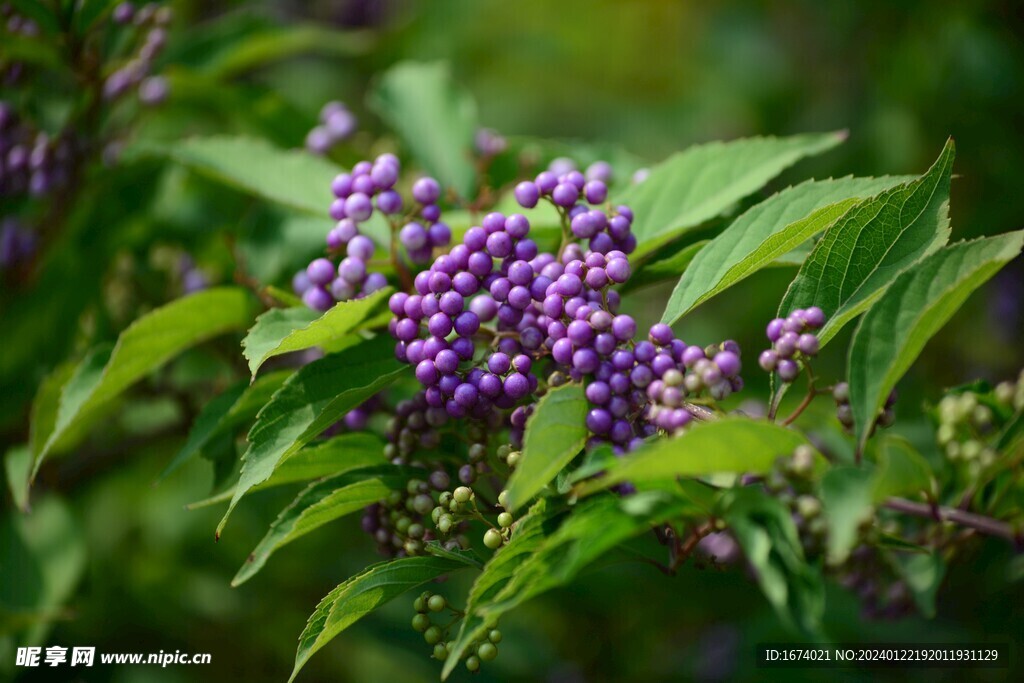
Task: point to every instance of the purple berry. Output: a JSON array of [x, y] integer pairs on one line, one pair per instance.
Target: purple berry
[[426, 190], [527, 194]]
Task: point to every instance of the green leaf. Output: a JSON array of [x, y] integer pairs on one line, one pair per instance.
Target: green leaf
[[855, 260], [339, 454], [923, 574], [46, 405], [145, 346], [435, 119], [319, 503], [732, 445], [310, 401], [846, 495], [283, 330], [358, 596], [662, 269], [594, 527], [527, 536], [555, 433], [701, 182], [765, 530], [44, 556], [916, 306], [901, 470], [766, 232], [206, 425], [18, 468]]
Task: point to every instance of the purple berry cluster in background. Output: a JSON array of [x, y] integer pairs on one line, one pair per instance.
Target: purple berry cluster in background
[[793, 342], [136, 70], [31, 161], [14, 24], [336, 125], [489, 143], [370, 186]]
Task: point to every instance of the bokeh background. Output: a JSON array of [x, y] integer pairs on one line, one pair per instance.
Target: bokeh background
[[648, 76]]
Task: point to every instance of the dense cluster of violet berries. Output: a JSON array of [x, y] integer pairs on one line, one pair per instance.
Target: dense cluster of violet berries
[[356, 194], [336, 124], [14, 24], [136, 71]]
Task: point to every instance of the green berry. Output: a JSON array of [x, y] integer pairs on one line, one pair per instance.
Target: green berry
[[420, 623], [413, 547], [413, 487], [505, 520], [422, 503], [808, 506], [436, 513], [477, 452], [402, 525], [494, 636], [432, 635], [513, 458], [672, 378], [444, 524], [462, 494], [982, 417], [503, 499], [803, 460], [487, 652], [492, 538], [395, 498], [1005, 392], [420, 603], [473, 663], [503, 451], [416, 531], [441, 652], [946, 433], [455, 506], [444, 499], [436, 603]]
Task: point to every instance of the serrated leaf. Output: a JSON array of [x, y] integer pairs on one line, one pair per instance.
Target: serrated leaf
[[319, 503], [146, 345], [765, 530], [733, 445], [284, 330], [846, 496], [310, 401], [594, 527], [339, 454], [915, 307], [527, 536], [859, 256], [766, 232], [435, 119], [701, 182], [555, 433], [358, 596]]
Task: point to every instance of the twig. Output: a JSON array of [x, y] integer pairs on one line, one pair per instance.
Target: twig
[[980, 523]]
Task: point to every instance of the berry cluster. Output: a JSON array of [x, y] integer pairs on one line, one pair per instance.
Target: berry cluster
[[14, 24], [489, 143], [841, 395], [790, 481], [482, 650], [31, 161], [970, 423], [136, 70], [337, 124], [792, 341]]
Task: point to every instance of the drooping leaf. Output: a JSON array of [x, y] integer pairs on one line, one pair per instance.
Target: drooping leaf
[[283, 330], [17, 468], [46, 405], [337, 455], [358, 596], [319, 503], [726, 446], [765, 530], [435, 119], [146, 345], [859, 256], [846, 496], [594, 527], [915, 307], [555, 433], [766, 232], [527, 537], [310, 401], [701, 182]]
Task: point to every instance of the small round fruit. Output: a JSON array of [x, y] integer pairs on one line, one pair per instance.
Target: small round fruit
[[473, 663], [436, 603], [492, 539], [420, 623], [494, 636], [505, 520], [432, 635], [462, 494], [487, 652], [441, 652]]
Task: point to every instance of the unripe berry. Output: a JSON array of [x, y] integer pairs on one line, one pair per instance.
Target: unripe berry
[[473, 663], [462, 494], [494, 636], [487, 652], [505, 520], [503, 499], [420, 623], [492, 538], [444, 524], [436, 603], [441, 652], [433, 635]]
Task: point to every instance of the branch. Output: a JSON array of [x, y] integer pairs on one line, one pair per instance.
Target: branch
[[980, 523]]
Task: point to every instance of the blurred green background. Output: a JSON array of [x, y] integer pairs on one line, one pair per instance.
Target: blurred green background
[[649, 76]]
